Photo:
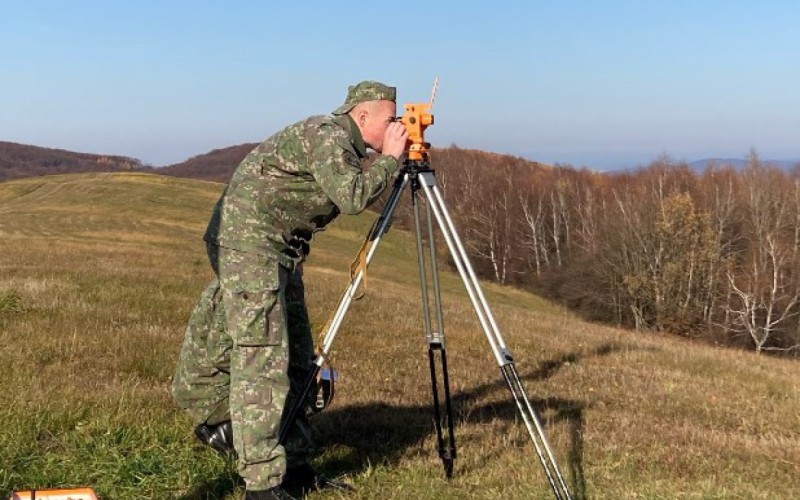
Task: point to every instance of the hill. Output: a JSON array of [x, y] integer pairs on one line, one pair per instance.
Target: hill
[[219, 164], [22, 160], [216, 165], [100, 273]]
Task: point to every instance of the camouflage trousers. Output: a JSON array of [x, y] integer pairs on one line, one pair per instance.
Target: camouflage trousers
[[246, 354]]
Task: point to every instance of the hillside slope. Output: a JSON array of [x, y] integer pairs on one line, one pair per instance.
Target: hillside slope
[[100, 273], [219, 164], [216, 165], [23, 160]]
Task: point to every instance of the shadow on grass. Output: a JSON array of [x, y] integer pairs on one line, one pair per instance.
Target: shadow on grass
[[379, 433], [217, 488]]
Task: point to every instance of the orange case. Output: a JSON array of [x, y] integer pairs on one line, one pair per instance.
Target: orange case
[[74, 494]]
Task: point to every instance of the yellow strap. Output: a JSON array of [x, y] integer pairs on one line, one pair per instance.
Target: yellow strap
[[326, 360], [360, 264]]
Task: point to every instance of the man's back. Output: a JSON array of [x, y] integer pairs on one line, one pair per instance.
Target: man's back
[[295, 183]]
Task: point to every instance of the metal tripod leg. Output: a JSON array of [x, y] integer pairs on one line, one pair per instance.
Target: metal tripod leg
[[427, 182], [435, 338], [378, 230]]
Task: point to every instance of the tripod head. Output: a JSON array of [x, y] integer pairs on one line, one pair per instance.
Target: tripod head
[[417, 118]]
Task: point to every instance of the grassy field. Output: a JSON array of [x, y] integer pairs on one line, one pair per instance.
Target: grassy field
[[98, 274]]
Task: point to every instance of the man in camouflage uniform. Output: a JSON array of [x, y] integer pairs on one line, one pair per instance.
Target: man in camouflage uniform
[[248, 347]]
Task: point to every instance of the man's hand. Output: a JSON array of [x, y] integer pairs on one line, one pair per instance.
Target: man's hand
[[394, 140]]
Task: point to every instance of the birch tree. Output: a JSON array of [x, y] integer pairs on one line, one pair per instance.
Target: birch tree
[[764, 288]]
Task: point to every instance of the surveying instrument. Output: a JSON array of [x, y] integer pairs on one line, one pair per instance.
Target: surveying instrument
[[417, 173]]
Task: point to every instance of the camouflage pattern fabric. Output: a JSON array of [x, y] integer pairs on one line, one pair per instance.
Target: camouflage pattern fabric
[[203, 384], [202, 379], [254, 297], [299, 443], [295, 183], [366, 91], [248, 346]]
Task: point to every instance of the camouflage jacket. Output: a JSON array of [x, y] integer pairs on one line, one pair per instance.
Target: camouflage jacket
[[295, 183]]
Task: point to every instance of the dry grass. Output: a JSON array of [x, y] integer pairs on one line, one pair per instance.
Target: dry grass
[[98, 274]]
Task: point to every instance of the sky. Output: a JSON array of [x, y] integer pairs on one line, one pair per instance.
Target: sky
[[602, 84]]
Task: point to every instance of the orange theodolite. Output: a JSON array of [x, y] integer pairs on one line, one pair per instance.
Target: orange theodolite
[[417, 118]]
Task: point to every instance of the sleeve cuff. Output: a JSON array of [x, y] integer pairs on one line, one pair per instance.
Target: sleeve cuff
[[391, 163]]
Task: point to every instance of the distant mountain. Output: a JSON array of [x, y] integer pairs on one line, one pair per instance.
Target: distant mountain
[[740, 163], [219, 164], [216, 165], [22, 160]]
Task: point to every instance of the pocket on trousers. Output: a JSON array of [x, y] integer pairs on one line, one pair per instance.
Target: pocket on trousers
[[253, 298], [259, 325], [260, 304], [258, 395]]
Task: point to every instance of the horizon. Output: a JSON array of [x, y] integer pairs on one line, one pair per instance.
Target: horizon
[[606, 85], [782, 163]]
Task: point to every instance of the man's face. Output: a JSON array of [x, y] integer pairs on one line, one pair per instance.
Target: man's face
[[376, 116]]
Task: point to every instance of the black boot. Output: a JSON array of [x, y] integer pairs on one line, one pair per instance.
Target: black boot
[[276, 493], [219, 437]]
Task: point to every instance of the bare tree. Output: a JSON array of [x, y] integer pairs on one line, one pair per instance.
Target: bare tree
[[489, 233], [532, 239], [766, 289], [765, 302], [660, 251], [586, 230]]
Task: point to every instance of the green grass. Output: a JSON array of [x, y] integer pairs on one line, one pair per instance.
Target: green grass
[[98, 275]]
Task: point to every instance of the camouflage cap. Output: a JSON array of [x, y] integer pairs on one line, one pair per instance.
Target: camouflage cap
[[367, 90]]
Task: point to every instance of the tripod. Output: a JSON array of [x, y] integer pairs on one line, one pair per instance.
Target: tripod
[[419, 175]]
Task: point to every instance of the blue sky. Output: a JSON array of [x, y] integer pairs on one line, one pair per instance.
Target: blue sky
[[605, 84]]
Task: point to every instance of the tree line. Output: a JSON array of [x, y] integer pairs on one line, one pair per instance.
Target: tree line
[[22, 160], [712, 255]]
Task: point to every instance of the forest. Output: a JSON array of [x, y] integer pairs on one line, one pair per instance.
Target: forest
[[711, 255]]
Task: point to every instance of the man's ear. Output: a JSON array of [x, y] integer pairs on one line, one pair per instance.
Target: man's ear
[[361, 115]]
